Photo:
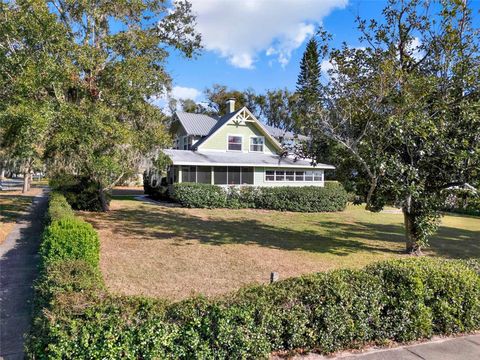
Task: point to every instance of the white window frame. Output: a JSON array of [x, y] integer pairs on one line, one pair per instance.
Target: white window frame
[[251, 144], [294, 176], [241, 142]]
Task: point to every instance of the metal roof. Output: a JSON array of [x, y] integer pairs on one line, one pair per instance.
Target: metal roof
[[203, 125], [280, 133], [196, 124], [221, 121], [220, 158]]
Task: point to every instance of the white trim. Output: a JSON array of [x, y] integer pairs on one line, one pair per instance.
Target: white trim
[[294, 178], [241, 143], [197, 163]]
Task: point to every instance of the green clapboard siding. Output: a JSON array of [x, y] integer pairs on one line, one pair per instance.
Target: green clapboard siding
[[218, 141]]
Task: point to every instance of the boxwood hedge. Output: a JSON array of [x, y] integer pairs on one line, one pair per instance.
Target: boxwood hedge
[[332, 197], [396, 300]]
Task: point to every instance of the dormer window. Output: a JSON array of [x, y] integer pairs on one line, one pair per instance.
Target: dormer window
[[235, 143], [256, 143]]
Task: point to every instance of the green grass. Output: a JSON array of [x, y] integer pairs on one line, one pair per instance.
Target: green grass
[[211, 252]]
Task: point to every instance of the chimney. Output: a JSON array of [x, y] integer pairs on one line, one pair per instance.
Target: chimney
[[230, 105]]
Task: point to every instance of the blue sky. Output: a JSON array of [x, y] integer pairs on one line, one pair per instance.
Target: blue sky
[[259, 43]]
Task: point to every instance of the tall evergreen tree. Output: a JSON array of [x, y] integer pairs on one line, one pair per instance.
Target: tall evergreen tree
[[308, 83]]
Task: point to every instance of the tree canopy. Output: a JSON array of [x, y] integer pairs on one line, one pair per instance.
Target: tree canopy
[[404, 108], [88, 74]]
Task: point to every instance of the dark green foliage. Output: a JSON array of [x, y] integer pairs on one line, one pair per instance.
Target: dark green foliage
[[395, 300], [155, 186], [199, 195], [427, 297], [81, 192], [308, 83], [400, 300], [332, 197], [70, 239]]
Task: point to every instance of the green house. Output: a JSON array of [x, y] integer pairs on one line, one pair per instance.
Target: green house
[[236, 149]]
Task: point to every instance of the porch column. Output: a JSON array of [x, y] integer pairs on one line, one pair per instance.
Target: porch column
[[212, 176], [179, 174]]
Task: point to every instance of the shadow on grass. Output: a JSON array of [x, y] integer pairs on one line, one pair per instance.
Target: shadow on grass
[[13, 206], [334, 237]]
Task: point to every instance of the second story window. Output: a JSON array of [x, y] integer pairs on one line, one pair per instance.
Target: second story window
[[234, 143], [187, 143], [256, 143]]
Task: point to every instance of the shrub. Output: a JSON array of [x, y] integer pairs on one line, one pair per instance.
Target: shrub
[[394, 300], [58, 208], [399, 300], [332, 197], [70, 239], [199, 195], [82, 193], [154, 185]]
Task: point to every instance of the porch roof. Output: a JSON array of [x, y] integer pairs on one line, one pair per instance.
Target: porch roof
[[225, 158]]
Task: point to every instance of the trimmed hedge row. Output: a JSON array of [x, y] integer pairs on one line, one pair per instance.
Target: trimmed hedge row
[[400, 300], [67, 237], [332, 197]]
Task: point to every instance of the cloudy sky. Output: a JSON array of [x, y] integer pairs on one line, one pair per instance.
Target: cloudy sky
[[259, 43]]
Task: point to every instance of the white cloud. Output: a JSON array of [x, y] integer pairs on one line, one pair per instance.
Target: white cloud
[[241, 29], [182, 92], [177, 92], [415, 48]]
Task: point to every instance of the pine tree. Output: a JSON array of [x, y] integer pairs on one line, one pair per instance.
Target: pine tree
[[308, 83]]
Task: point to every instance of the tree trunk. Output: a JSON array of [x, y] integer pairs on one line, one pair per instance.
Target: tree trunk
[[103, 200], [2, 174], [412, 244], [25, 183]]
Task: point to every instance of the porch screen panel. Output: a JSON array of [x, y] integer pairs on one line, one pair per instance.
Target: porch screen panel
[[247, 175], [204, 174], [220, 177], [188, 174], [233, 175]]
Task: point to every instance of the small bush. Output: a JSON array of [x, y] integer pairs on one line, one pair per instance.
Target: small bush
[[82, 193], [332, 197], [155, 186], [199, 195], [58, 208], [70, 239]]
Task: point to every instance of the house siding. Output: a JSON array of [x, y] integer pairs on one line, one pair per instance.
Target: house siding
[[218, 141]]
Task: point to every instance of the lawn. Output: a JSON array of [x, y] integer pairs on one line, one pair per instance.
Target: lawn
[[171, 252], [13, 204]]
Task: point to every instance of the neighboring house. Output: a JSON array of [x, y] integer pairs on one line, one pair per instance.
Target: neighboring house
[[236, 149]]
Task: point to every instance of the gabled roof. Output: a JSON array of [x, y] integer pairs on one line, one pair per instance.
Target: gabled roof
[[196, 124], [204, 125], [247, 116], [220, 122]]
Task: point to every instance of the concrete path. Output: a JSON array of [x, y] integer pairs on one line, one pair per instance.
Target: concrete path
[[460, 348], [18, 269]]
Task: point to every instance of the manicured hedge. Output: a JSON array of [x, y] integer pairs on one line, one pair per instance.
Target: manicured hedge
[[332, 197], [70, 239], [396, 300], [324, 312], [58, 208]]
